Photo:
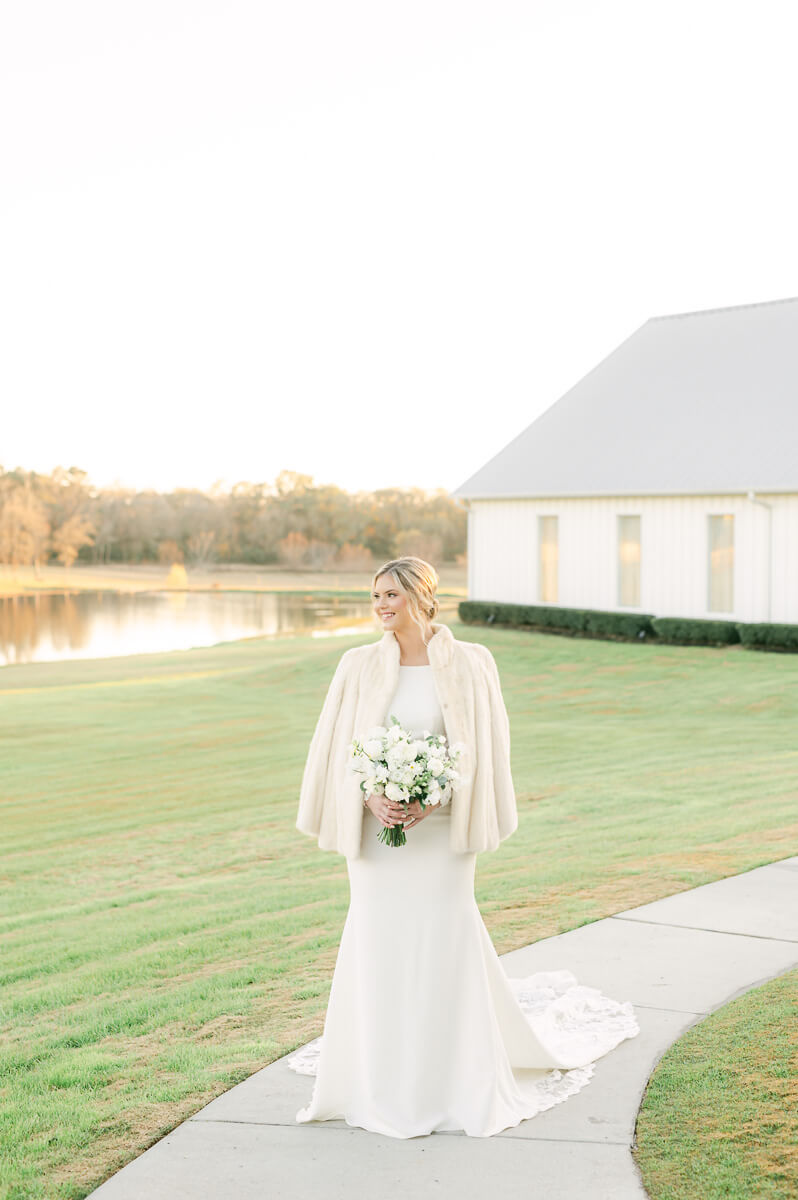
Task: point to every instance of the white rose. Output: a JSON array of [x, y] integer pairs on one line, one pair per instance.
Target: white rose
[[436, 766], [374, 748], [381, 771], [394, 792], [379, 731]]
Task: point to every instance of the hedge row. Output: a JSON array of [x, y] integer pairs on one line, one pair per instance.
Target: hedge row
[[586, 622], [769, 637], [689, 631]]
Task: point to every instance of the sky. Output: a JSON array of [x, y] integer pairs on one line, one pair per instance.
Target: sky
[[368, 242]]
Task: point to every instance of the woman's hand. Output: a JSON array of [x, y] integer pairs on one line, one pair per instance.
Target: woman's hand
[[388, 812], [417, 813]]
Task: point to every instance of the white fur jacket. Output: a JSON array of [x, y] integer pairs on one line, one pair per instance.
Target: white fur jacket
[[466, 679]]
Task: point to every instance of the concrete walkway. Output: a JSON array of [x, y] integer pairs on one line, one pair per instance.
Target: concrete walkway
[[676, 959]]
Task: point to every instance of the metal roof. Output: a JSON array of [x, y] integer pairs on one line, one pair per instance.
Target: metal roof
[[690, 404]]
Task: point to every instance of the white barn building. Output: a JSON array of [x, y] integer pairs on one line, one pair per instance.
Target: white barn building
[[664, 482]]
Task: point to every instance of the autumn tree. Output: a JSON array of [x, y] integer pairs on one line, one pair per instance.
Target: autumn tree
[[71, 534], [291, 520], [24, 524], [69, 502], [292, 549]]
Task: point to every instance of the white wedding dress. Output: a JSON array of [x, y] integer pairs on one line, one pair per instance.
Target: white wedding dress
[[424, 1031]]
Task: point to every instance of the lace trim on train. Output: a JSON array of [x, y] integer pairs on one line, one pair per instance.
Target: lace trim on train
[[563, 1006], [572, 1007]]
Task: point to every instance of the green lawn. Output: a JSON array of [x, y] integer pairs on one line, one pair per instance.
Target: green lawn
[[719, 1119], [165, 929]]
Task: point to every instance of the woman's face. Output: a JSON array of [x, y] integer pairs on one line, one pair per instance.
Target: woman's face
[[390, 603]]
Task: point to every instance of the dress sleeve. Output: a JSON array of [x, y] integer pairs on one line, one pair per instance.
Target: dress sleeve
[[315, 775]]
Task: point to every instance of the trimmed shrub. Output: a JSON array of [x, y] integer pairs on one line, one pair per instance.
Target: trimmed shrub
[[593, 623], [693, 631], [534, 616], [635, 626], [570, 620], [484, 612], [588, 622], [769, 637]]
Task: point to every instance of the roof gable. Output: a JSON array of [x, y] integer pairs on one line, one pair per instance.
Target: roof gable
[[690, 403]]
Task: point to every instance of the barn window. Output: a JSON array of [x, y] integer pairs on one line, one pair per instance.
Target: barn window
[[721, 563], [548, 556], [629, 562]]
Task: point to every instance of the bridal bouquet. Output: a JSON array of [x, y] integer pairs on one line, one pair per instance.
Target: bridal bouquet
[[395, 764]]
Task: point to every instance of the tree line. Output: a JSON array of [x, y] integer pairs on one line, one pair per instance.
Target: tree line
[[61, 517]]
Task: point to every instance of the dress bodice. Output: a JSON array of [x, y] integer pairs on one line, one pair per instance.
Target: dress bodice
[[415, 702]]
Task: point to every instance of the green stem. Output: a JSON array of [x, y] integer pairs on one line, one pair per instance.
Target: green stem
[[393, 836]]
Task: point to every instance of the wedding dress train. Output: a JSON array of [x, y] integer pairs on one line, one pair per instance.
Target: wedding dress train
[[424, 1030]]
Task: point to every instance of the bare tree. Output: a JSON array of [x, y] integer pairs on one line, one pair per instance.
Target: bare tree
[[319, 554], [354, 557], [423, 545], [200, 547]]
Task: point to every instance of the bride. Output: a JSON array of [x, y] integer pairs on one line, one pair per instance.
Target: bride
[[424, 1031]]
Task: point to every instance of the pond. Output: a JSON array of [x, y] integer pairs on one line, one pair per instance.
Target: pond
[[53, 627]]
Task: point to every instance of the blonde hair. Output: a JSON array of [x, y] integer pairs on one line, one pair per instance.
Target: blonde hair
[[419, 582]]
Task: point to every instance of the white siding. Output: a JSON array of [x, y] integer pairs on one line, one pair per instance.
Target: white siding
[[503, 553], [785, 556]]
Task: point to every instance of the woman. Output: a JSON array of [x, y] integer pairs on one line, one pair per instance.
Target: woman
[[424, 1031]]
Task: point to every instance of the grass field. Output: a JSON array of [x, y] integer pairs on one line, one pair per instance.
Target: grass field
[[166, 931], [719, 1119]]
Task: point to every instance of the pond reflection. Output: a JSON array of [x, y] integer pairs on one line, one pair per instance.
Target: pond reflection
[[49, 628]]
